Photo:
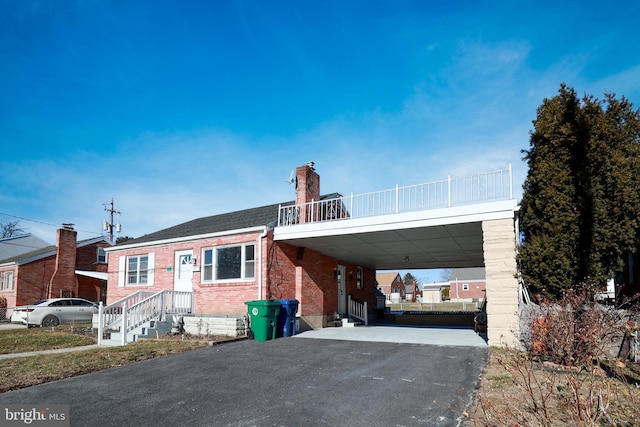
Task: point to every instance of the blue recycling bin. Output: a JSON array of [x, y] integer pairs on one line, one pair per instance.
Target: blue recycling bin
[[287, 317]]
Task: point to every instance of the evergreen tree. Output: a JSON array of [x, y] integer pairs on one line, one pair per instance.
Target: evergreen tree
[[409, 279], [580, 207]]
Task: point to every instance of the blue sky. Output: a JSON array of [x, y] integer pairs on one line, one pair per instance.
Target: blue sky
[[178, 110]]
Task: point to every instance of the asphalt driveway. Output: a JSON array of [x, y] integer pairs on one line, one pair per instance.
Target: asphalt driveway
[[285, 382]]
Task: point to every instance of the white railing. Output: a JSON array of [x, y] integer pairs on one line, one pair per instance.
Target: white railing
[[112, 313], [357, 310], [141, 307], [481, 187]]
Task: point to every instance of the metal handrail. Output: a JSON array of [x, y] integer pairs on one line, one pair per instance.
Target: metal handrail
[[358, 310], [453, 191], [141, 307]]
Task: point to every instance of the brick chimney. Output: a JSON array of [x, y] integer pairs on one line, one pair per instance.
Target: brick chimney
[[64, 277], [307, 185]]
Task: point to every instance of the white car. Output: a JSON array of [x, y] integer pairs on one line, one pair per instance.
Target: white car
[[54, 311]]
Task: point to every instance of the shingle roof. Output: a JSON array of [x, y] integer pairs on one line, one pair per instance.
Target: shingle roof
[[16, 245], [475, 273], [248, 218], [46, 251], [386, 279]]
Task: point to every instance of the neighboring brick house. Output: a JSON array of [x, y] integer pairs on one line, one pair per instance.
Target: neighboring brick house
[[411, 291], [69, 268], [467, 284], [392, 286], [228, 259]]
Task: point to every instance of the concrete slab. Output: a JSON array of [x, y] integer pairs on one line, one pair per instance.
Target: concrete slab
[[6, 325], [401, 334]]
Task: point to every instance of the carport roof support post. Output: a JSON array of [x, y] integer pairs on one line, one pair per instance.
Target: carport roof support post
[[503, 326]]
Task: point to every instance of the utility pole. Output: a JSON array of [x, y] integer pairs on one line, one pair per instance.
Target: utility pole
[[110, 226]]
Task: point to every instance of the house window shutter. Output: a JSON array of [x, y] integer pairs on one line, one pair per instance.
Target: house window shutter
[[152, 268], [122, 273]]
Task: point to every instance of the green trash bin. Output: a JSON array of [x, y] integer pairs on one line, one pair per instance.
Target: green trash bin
[[263, 315]]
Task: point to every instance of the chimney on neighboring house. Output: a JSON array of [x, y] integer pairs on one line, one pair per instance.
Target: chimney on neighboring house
[[307, 185], [64, 280]]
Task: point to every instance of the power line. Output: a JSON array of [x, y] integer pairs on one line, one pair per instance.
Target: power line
[[44, 223]]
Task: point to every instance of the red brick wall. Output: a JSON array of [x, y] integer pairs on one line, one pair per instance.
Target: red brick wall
[[64, 277], [210, 298], [279, 264], [33, 280], [319, 284], [87, 259], [308, 184], [476, 289]]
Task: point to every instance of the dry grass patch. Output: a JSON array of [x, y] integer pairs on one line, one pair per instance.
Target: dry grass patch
[[20, 372], [517, 390], [35, 339], [23, 372]]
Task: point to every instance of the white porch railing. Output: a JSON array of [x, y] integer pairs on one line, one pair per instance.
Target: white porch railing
[[141, 307], [485, 186], [357, 310]]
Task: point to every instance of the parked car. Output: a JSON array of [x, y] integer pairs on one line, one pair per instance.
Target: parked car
[[53, 311]]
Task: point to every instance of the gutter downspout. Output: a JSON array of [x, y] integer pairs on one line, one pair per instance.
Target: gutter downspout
[[260, 271]]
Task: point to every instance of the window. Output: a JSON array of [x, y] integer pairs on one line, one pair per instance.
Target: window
[[229, 262], [81, 303], [465, 286], [359, 277], [102, 256], [6, 281], [138, 270]]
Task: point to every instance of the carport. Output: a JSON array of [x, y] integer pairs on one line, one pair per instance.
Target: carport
[[468, 235]]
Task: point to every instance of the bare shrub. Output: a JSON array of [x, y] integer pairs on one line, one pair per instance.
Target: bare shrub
[[568, 373], [575, 331], [519, 390]]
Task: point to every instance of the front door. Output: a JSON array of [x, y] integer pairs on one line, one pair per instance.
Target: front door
[[342, 290], [184, 271]]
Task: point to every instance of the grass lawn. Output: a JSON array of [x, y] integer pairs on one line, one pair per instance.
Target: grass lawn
[[33, 339], [23, 372]]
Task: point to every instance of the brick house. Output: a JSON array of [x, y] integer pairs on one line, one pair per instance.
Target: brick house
[[392, 286], [411, 291], [467, 284], [231, 258], [70, 268]]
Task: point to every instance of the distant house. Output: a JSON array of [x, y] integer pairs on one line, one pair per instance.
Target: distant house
[[69, 268], [467, 284], [411, 291], [392, 286], [226, 260], [16, 245], [435, 292]]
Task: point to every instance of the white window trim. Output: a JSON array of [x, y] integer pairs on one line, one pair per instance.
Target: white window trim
[[243, 263], [123, 273], [8, 282], [465, 286], [98, 250]]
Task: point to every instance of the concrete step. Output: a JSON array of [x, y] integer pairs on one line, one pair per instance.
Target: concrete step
[[351, 323], [111, 343]]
